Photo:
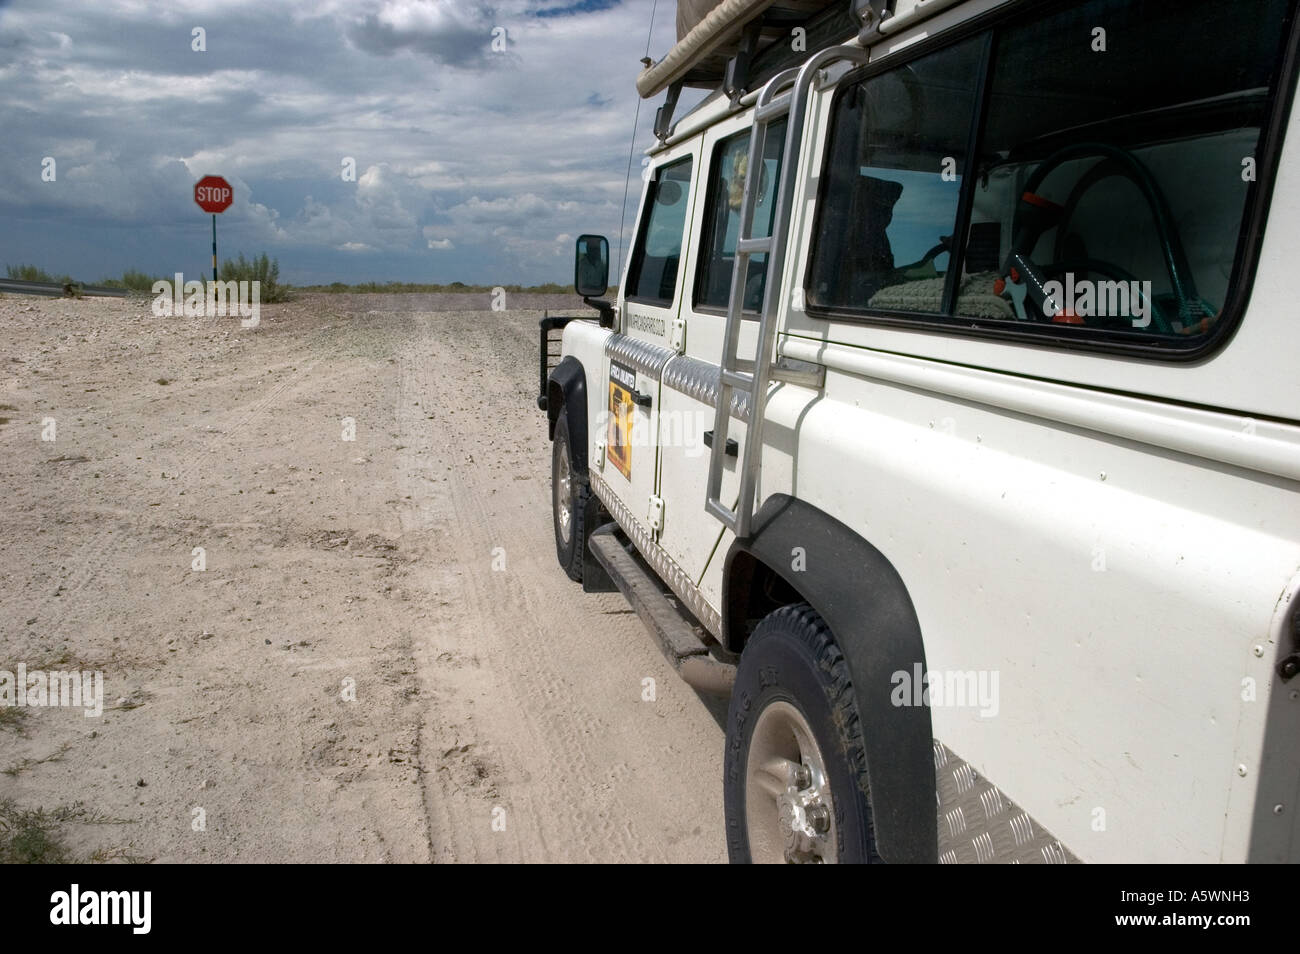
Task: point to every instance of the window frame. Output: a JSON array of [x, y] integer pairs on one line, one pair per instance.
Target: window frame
[[637, 259], [1250, 236], [703, 252]]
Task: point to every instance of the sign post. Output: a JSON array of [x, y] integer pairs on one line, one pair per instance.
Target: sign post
[[213, 194]]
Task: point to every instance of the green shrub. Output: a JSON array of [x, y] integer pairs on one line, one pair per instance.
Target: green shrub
[[39, 836], [402, 288], [137, 281], [30, 273], [132, 280], [258, 269]]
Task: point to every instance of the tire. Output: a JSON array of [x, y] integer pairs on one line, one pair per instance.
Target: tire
[[569, 496], [794, 772]]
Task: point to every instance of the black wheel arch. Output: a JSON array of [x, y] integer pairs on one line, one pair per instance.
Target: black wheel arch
[[567, 388], [864, 601]]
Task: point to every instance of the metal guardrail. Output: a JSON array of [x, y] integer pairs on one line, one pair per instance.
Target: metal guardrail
[[549, 350], [59, 289]]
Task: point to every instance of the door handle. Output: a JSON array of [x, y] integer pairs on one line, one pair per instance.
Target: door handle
[[641, 400], [733, 449]]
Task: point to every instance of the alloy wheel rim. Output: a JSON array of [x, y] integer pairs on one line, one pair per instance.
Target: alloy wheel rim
[[564, 497], [789, 813]]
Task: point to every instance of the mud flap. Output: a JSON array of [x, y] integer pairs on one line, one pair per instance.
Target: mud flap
[[595, 578]]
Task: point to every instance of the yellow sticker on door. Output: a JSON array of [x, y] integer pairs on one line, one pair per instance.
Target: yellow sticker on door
[[622, 417]]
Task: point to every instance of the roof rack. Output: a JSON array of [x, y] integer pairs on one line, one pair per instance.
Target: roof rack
[[738, 44]]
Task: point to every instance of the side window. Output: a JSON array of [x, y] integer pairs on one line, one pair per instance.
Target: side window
[[653, 275], [1108, 192], [727, 178], [1114, 177], [889, 206]]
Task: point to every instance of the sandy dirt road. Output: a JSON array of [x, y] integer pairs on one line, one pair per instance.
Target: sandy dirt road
[[412, 567]]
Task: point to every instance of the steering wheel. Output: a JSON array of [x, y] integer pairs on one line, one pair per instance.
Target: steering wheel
[[1088, 266], [1035, 215]]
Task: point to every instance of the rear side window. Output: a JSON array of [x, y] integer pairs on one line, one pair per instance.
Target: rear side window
[[1097, 164], [653, 275], [727, 177], [898, 148]]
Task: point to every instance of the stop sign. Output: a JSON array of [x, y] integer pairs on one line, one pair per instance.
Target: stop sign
[[213, 194]]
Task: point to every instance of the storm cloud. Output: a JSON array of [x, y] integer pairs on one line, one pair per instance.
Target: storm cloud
[[483, 135]]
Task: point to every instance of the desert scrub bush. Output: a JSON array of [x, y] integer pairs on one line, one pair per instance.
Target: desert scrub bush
[[30, 837], [31, 273], [258, 269], [38, 837], [12, 718], [133, 280], [405, 288]]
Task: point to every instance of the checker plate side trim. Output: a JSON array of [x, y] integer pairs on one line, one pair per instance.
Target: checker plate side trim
[[659, 561], [978, 824], [647, 358], [702, 381]]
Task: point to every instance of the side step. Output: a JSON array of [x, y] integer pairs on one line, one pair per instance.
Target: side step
[[678, 640]]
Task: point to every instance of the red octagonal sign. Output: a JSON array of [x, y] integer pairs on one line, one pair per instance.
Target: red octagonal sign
[[213, 194]]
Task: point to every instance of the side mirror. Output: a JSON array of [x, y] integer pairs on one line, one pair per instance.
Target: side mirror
[[591, 266]]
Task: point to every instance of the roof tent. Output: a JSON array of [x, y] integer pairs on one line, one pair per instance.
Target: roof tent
[[711, 34]]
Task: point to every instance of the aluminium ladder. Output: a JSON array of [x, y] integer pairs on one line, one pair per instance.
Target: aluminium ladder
[[771, 106]]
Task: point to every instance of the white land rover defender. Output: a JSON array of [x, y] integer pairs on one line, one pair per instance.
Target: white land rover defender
[[948, 418]]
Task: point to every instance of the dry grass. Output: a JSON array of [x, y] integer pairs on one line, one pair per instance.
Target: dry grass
[[13, 719], [39, 837]]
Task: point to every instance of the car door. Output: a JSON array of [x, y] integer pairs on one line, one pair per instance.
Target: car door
[[635, 355], [690, 535]]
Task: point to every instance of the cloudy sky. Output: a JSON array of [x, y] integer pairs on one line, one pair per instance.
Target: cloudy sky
[[472, 165]]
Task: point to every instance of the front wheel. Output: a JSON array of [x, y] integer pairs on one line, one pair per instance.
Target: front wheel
[[794, 784], [569, 494]]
